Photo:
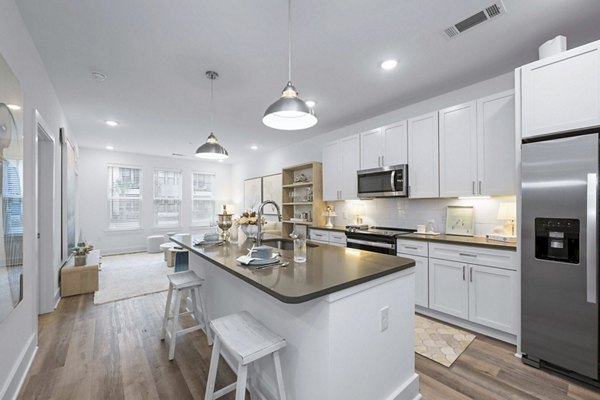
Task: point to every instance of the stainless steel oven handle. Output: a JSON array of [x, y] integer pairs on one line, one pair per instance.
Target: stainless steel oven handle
[[393, 180], [374, 244], [591, 259]]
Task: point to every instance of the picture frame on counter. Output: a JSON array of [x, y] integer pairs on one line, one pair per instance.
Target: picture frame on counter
[[460, 220]]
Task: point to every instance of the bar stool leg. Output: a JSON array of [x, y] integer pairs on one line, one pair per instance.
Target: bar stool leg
[[205, 319], [242, 377], [212, 372], [163, 330], [279, 375], [174, 325]]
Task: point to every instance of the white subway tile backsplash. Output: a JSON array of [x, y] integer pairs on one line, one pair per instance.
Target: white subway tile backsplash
[[407, 213]]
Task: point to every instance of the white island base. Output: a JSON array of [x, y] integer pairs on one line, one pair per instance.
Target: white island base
[[336, 349]]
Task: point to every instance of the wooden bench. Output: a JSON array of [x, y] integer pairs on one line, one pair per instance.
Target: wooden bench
[[83, 279]]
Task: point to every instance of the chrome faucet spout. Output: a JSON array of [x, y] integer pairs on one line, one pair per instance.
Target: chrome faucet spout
[[259, 213]]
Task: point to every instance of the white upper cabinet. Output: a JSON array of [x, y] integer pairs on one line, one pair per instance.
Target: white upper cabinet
[[458, 150], [496, 172], [384, 146], [395, 144], [561, 92], [331, 171], [341, 161], [350, 164], [423, 147], [371, 149]]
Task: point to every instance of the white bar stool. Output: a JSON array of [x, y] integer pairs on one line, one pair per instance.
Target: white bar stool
[[247, 340], [180, 282]]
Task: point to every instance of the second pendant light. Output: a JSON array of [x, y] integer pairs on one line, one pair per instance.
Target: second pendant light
[[289, 112]]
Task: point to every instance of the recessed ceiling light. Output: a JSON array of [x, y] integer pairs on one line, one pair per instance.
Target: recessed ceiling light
[[254, 147], [389, 64], [14, 107], [111, 123], [311, 103], [109, 148], [98, 76]]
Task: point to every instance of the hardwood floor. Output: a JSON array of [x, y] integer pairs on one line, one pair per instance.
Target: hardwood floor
[[113, 351]]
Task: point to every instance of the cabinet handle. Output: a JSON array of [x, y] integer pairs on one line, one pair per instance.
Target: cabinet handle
[[471, 274], [467, 255], [382, 161], [463, 272], [473, 187], [479, 187], [411, 247]]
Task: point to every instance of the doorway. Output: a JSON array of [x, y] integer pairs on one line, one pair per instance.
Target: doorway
[[47, 267]]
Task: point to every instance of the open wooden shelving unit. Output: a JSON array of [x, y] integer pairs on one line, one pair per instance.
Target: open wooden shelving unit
[[291, 206]]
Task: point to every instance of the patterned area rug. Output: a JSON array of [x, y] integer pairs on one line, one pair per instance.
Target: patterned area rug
[[439, 342], [131, 275]]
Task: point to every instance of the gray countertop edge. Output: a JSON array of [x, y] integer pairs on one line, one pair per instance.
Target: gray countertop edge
[[303, 298]]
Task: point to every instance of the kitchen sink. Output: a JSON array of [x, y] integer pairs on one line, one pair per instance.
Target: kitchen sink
[[283, 244]]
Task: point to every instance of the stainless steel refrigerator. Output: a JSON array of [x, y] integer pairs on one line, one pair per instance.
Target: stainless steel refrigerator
[[559, 256]]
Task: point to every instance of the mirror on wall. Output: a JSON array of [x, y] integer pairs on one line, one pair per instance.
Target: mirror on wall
[[11, 184]]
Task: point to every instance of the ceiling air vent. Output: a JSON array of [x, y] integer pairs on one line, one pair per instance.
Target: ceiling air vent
[[178, 154], [486, 14]]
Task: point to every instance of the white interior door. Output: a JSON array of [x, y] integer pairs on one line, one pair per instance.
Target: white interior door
[[45, 219]]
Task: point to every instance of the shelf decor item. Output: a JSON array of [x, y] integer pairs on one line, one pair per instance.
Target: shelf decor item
[[248, 222], [224, 222], [328, 213], [460, 220]]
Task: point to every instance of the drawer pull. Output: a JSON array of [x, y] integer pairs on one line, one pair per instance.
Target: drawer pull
[[467, 255], [411, 247]]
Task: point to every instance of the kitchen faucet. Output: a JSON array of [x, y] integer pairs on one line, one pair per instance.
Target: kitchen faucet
[[259, 212]]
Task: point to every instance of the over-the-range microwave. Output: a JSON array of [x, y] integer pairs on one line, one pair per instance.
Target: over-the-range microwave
[[389, 181]]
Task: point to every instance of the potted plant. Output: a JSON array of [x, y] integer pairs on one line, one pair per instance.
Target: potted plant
[[80, 253]]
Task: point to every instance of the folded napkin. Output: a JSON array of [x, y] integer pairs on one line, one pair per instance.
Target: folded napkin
[[245, 260]]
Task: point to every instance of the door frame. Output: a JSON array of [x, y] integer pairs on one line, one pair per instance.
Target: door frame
[[44, 215]]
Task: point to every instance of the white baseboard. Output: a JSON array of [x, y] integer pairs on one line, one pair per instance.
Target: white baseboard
[[17, 375], [56, 297], [408, 391], [484, 330]]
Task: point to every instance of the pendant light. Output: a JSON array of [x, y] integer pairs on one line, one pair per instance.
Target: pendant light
[[289, 113], [212, 150]]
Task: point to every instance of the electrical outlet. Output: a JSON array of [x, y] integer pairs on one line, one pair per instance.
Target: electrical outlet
[[384, 319]]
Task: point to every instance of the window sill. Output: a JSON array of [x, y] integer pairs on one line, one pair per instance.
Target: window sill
[[123, 230]]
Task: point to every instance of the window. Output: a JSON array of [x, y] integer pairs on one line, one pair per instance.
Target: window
[[124, 197], [167, 198], [12, 189], [203, 202]]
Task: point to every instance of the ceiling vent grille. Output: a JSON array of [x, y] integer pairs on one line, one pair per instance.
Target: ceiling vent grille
[[178, 154], [484, 15]]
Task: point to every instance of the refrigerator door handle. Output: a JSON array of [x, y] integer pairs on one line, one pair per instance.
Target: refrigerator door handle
[[591, 260]]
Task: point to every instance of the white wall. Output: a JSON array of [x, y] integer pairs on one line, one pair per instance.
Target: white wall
[[384, 212], [93, 189], [18, 332]]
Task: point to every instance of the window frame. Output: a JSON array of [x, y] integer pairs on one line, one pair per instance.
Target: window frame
[[193, 223], [155, 198], [110, 198]]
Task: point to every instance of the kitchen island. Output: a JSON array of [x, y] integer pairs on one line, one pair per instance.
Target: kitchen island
[[347, 317]]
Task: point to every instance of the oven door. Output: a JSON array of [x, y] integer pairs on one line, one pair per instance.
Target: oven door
[[370, 245], [383, 182]]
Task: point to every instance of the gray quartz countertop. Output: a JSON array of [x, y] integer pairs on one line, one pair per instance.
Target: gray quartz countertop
[[479, 241], [328, 269]]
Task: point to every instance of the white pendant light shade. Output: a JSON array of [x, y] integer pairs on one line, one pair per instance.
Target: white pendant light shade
[[289, 112], [212, 150]]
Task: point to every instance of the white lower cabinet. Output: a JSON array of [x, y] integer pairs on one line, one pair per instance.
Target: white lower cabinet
[[491, 297], [448, 288], [421, 279], [480, 294], [334, 238]]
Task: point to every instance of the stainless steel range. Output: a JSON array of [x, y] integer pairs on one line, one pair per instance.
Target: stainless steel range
[[376, 239]]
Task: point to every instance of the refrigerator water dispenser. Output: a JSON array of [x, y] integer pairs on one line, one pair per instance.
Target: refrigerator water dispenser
[[557, 239]]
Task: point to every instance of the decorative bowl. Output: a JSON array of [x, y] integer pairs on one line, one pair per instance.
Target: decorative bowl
[[250, 230]]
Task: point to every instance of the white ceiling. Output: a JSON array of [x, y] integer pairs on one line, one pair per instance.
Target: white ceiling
[[155, 53]]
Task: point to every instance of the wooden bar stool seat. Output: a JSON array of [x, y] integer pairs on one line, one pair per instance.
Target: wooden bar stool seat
[[246, 340], [179, 283]]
